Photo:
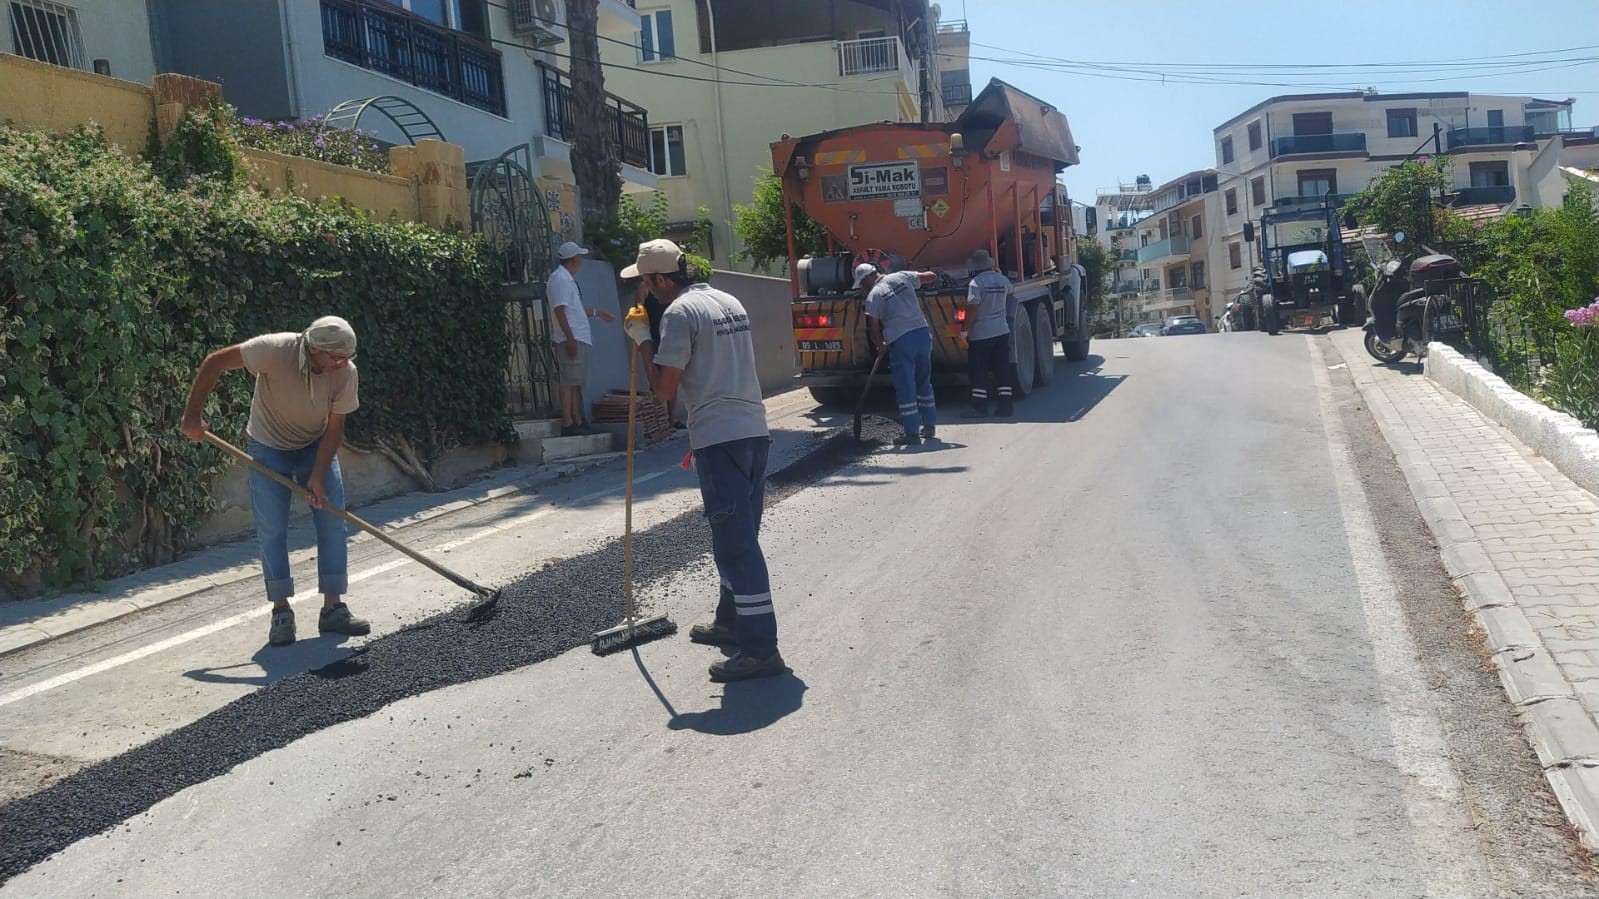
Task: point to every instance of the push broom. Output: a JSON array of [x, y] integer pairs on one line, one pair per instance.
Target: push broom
[[488, 598], [634, 630]]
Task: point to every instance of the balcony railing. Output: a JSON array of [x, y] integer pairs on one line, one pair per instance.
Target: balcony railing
[[1128, 255], [876, 54], [957, 95], [1175, 245], [384, 38], [1171, 298], [1482, 196], [627, 123], [1489, 136], [1313, 200], [1303, 144]]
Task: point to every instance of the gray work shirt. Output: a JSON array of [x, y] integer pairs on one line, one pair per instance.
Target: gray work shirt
[[990, 293], [706, 333], [893, 301]]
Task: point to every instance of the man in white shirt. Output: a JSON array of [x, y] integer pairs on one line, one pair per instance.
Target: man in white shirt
[[572, 336]]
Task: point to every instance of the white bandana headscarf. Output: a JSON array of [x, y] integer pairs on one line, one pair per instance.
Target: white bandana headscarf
[[330, 334]]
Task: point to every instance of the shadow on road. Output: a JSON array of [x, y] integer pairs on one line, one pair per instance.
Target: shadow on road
[[274, 663], [747, 706]]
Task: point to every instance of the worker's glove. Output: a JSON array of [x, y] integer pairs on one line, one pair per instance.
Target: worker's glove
[[637, 324]]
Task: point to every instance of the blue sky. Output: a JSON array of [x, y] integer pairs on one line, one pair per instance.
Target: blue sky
[[1128, 128]]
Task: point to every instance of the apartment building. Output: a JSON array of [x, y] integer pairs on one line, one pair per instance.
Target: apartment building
[[476, 73], [109, 37], [1294, 149], [1173, 248], [724, 80]]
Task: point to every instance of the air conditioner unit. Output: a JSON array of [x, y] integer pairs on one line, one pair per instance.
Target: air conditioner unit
[[542, 20]]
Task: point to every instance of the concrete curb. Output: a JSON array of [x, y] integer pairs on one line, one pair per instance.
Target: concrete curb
[[1562, 733], [78, 612], [1554, 435]]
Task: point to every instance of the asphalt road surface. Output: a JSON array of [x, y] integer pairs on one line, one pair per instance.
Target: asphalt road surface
[[1174, 630]]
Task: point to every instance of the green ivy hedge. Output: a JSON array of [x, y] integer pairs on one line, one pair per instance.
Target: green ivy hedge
[[118, 275]]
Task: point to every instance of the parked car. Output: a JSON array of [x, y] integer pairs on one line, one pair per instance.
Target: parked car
[[1148, 329], [1182, 324]]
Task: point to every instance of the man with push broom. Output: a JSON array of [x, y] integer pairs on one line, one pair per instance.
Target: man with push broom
[[305, 384], [706, 351]]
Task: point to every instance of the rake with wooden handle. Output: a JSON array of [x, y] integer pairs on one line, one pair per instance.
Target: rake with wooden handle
[[490, 599]]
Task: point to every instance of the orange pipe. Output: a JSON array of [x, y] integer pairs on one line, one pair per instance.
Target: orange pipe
[[993, 234], [788, 223], [1016, 200]]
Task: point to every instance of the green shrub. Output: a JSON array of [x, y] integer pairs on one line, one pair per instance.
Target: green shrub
[[118, 275]]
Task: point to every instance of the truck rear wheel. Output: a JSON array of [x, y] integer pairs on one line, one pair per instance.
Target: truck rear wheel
[[1074, 343], [1025, 353], [832, 396], [1273, 321], [1044, 344]]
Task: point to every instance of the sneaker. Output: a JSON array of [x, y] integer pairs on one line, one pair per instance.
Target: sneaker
[[282, 632], [712, 635], [929, 432], [744, 666], [975, 412], [338, 620], [907, 440]]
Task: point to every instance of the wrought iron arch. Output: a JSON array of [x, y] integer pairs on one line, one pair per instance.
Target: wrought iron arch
[[508, 211], [406, 116]]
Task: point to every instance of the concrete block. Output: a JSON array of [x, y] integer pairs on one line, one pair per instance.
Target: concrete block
[[557, 448], [538, 429]]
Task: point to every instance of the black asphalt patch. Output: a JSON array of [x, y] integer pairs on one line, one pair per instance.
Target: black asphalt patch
[[544, 614]]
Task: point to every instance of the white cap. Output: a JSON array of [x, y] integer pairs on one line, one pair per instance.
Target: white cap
[[862, 271], [570, 249], [655, 257]]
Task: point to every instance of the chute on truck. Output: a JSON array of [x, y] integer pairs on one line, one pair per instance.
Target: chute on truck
[[924, 197]]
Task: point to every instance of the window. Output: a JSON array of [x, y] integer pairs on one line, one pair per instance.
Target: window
[[1177, 277], [1232, 201], [666, 150], [1235, 255], [1313, 123], [1195, 227], [1227, 149], [1490, 174], [655, 40], [1197, 275], [1401, 123], [1254, 136], [47, 32], [1257, 191], [462, 15], [1318, 182]]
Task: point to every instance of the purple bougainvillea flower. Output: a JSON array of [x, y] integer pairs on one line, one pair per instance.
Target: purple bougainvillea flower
[[1586, 317]]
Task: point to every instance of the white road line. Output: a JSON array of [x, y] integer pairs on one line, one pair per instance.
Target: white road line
[[190, 636], [1434, 798]]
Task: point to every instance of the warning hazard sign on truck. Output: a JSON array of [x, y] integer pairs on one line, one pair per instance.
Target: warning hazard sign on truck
[[885, 181]]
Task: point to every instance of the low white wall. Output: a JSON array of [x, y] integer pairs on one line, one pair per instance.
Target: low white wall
[[769, 302], [1554, 435]]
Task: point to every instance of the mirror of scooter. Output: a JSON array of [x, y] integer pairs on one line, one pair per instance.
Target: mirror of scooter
[[1399, 237]]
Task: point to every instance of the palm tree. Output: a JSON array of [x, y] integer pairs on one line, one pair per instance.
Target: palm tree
[[594, 162]]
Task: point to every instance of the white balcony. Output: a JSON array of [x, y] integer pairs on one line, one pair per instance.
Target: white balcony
[[877, 55]]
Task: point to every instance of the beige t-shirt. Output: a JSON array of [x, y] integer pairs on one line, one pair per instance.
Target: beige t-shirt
[[284, 414]]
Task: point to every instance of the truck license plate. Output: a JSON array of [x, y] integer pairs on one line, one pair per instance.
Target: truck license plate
[[821, 346]]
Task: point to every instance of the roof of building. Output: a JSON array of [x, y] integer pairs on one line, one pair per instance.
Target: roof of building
[[1373, 97]]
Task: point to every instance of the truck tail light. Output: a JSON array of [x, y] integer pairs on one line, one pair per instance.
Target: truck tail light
[[804, 320], [960, 315]]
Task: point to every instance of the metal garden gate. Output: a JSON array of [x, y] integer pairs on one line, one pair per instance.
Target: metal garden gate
[[509, 212]]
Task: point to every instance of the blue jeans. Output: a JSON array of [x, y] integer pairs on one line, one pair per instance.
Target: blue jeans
[[733, 485], [269, 500], [911, 357]]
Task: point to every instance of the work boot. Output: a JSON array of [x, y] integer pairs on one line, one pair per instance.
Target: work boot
[[929, 432], [744, 666], [282, 632], [907, 439], [712, 635], [336, 619], [978, 410], [1006, 410]]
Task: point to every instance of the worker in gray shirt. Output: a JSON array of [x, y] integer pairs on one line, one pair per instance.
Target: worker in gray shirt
[[990, 307], [707, 352], [899, 328]]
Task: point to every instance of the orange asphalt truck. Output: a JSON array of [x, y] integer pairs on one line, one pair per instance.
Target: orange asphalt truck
[[924, 197]]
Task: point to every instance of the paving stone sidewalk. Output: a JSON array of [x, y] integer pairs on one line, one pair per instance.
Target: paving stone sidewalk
[[1521, 540]]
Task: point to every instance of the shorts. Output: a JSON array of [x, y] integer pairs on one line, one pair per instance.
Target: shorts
[[574, 369]]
